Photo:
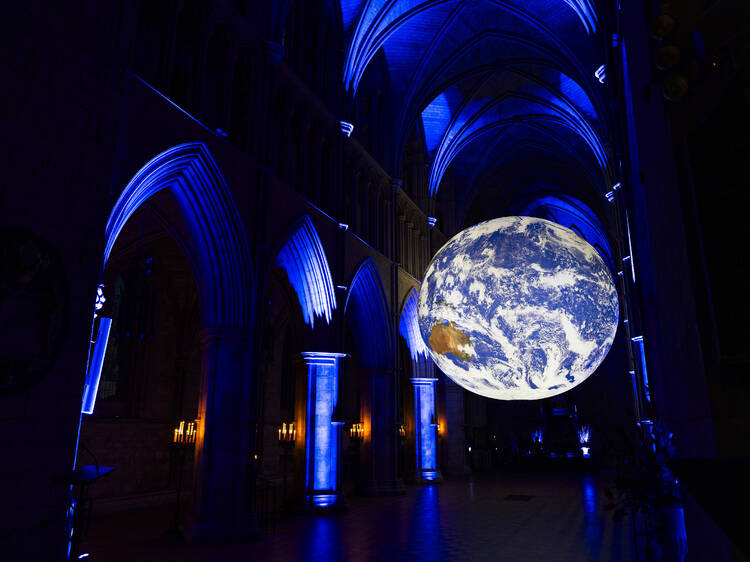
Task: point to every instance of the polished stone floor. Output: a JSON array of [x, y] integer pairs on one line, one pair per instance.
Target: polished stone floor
[[504, 517]]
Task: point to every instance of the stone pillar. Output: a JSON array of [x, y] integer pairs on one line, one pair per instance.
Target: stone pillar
[[379, 448], [425, 419], [322, 432], [222, 483], [454, 440]]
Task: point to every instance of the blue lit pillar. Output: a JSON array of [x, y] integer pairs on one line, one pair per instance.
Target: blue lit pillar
[[322, 432], [426, 429]]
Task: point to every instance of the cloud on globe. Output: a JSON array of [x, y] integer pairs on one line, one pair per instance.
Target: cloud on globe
[[518, 308]]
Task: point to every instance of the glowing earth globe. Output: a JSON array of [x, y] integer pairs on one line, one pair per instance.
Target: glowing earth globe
[[518, 308]]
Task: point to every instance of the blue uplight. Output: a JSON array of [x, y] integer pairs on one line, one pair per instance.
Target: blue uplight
[[537, 436], [306, 266], [324, 500], [584, 434]]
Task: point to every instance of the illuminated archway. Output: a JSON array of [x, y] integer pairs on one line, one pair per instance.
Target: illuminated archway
[[219, 246], [306, 266], [367, 312]]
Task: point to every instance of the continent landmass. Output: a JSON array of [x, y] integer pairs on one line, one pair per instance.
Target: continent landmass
[[446, 338]]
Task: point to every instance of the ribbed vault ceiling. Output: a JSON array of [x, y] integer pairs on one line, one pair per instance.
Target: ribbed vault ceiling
[[489, 84]]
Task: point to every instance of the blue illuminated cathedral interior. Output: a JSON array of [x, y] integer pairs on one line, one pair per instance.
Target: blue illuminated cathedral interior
[[214, 223]]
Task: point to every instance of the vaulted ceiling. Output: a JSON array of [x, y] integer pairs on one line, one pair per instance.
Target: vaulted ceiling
[[507, 95]]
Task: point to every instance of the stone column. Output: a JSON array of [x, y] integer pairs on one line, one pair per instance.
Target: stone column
[[322, 432], [379, 453], [222, 491], [425, 420], [454, 440]]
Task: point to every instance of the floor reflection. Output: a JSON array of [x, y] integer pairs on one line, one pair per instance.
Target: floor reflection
[[561, 518]]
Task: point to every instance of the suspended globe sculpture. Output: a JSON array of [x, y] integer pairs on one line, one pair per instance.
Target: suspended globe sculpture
[[518, 308]]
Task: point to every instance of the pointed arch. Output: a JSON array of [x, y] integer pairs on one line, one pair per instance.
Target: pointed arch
[[218, 243], [306, 266], [367, 313], [409, 328]]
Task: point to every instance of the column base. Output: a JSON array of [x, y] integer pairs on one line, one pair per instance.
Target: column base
[[429, 477], [325, 503]]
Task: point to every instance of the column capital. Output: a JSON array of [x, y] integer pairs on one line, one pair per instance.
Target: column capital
[[423, 381], [322, 357]]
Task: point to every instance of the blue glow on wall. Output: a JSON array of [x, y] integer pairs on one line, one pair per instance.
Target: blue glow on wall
[[94, 373], [306, 266], [426, 430], [367, 313], [433, 116], [221, 253], [586, 13], [322, 448], [496, 102], [373, 23], [409, 328]]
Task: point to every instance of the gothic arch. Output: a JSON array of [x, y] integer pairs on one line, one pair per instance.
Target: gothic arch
[[303, 258], [218, 244], [367, 313], [409, 328]]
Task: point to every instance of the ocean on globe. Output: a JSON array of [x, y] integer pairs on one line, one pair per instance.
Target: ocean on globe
[[518, 308]]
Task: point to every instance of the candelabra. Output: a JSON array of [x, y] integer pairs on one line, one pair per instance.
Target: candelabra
[[183, 439], [287, 437], [357, 431]]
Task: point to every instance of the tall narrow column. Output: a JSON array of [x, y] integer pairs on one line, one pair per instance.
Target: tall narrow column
[[426, 429], [222, 496], [322, 433], [453, 450]]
